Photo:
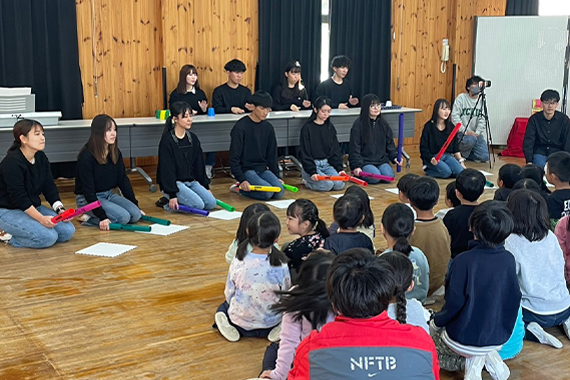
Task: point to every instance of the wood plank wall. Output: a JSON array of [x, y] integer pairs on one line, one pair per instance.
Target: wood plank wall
[[419, 26], [134, 39]]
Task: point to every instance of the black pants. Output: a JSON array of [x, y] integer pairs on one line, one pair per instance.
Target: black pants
[[270, 357], [257, 333]]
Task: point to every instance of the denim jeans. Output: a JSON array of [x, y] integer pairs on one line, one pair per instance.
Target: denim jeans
[[210, 159], [323, 168], [118, 209], [29, 233], [447, 167], [544, 320], [384, 169], [473, 148], [539, 160], [193, 194], [265, 178]]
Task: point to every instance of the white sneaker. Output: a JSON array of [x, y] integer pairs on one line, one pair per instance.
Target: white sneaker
[[275, 334], [225, 328], [566, 327], [5, 236], [474, 367], [496, 366], [84, 218], [234, 188], [209, 171], [440, 291], [542, 336]]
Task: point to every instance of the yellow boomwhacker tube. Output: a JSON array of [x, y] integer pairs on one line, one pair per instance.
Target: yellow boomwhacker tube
[[269, 189]]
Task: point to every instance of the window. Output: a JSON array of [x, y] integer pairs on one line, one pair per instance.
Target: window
[[325, 40], [553, 7]]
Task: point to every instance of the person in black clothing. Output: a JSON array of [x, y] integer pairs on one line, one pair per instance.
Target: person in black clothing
[[188, 91], [371, 147], [180, 172], [536, 173], [509, 174], [348, 212], [25, 174], [434, 135], [338, 88], [232, 97], [290, 94], [547, 132], [253, 151], [320, 150], [469, 186], [558, 174], [100, 170], [482, 297]]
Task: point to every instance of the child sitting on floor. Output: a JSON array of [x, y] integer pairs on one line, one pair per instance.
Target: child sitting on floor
[[367, 226], [451, 200], [558, 174], [241, 233], [253, 278], [509, 174], [404, 185]]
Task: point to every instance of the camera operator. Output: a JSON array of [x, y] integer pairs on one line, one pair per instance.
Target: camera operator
[[473, 145], [547, 132]]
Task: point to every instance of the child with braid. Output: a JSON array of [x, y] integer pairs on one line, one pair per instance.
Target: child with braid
[[405, 311]]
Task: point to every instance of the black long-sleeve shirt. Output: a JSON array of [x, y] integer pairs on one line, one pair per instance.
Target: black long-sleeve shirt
[[191, 98], [457, 223], [22, 182], [546, 136], [338, 93], [224, 98], [253, 146], [180, 160], [378, 149], [318, 142], [482, 296], [93, 177], [433, 140], [283, 98]]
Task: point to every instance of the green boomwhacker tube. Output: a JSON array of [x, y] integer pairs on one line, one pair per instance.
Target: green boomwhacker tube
[[128, 227], [489, 184], [292, 189], [152, 219], [225, 206]]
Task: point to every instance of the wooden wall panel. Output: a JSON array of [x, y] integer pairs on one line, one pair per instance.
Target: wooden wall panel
[[207, 34], [128, 55], [420, 26]]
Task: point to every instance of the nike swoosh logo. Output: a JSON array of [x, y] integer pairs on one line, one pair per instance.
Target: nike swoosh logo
[[373, 374]]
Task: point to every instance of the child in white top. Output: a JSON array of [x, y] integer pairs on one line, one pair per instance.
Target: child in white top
[[241, 233], [253, 278]]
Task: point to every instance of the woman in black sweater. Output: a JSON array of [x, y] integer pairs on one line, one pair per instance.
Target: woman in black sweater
[[371, 147], [435, 134], [100, 170], [319, 148], [180, 172], [290, 94], [25, 174], [188, 90]]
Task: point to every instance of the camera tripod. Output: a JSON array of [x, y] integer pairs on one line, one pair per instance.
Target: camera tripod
[[482, 104]]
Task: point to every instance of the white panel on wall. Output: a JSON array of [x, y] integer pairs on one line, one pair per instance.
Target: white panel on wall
[[522, 56]]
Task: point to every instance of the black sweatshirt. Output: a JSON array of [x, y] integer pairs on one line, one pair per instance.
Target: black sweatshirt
[[190, 98], [283, 98], [225, 97], [342, 241], [93, 178], [482, 297], [546, 136], [338, 93], [433, 140], [21, 183], [253, 146], [179, 160], [378, 149], [317, 143], [457, 223]]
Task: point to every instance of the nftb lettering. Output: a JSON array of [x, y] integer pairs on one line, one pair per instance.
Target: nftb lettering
[[380, 363]]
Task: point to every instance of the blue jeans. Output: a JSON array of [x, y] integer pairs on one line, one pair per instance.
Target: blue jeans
[[323, 168], [210, 159], [447, 167], [192, 194], [473, 148], [539, 160], [118, 209], [265, 178], [543, 320], [384, 169], [29, 233]]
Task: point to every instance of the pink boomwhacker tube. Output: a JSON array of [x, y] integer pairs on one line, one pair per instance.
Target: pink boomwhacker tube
[[377, 176], [86, 208]]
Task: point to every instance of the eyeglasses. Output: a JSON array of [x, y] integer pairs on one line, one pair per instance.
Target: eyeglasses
[[550, 103], [376, 105]]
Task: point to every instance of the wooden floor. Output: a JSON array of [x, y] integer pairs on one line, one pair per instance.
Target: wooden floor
[[147, 314]]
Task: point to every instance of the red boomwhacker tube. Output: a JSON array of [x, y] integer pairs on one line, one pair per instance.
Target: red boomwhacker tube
[[449, 140]]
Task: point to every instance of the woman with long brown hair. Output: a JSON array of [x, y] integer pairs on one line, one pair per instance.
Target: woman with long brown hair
[[100, 170]]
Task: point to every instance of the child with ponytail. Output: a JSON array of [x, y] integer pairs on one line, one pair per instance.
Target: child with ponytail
[[253, 278], [397, 227], [303, 220], [405, 311]]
